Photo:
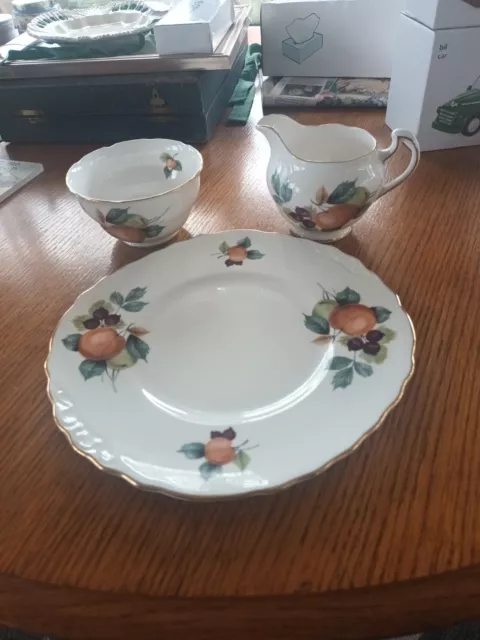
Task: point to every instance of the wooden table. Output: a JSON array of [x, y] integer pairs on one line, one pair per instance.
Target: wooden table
[[387, 541]]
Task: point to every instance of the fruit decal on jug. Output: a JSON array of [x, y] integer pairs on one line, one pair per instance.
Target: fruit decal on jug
[[340, 317], [106, 342], [219, 451], [326, 211], [237, 254], [130, 227]]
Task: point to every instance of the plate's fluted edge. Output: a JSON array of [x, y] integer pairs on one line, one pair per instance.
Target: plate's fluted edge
[[255, 492]]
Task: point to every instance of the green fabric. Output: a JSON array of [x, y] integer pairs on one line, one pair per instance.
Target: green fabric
[[45, 51], [242, 97]]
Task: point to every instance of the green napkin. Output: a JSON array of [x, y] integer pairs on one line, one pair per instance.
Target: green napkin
[[45, 51], [242, 97]]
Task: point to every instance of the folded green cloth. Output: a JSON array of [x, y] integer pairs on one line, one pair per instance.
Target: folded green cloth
[[107, 48], [242, 97]]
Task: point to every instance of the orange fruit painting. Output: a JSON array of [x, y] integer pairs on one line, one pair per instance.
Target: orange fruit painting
[[106, 340], [219, 451], [239, 252], [325, 211], [124, 225], [357, 332]]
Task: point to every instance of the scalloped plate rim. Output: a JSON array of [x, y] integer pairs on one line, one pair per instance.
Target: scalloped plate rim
[[335, 254]]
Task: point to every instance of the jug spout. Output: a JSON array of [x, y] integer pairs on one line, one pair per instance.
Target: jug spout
[[277, 129]]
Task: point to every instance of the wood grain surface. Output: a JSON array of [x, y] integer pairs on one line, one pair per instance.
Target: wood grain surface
[[386, 541]]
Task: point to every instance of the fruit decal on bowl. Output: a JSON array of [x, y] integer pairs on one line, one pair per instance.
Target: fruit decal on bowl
[[326, 212], [341, 317], [171, 164], [130, 227], [218, 452], [106, 342], [236, 255]]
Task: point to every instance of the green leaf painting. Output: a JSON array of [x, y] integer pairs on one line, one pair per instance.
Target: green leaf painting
[[343, 193], [282, 190], [153, 231], [363, 370], [137, 348], [347, 296], [343, 378], [193, 450], [286, 192], [116, 298], [134, 307], [117, 216], [223, 248], [317, 324], [254, 254], [276, 185], [381, 313], [71, 341], [242, 460], [207, 470], [135, 294], [92, 368], [339, 362], [245, 243]]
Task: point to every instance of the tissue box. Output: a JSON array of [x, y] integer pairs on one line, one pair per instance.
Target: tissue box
[[340, 38], [435, 86], [445, 14], [194, 26]]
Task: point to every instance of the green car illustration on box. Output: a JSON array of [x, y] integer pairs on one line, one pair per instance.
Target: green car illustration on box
[[462, 114]]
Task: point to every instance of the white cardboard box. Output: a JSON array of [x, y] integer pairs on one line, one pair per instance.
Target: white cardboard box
[[445, 14], [337, 38], [435, 85], [194, 26]]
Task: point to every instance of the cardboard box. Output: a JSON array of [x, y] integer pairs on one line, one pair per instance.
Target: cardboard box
[[445, 14], [194, 26], [340, 38], [435, 86]]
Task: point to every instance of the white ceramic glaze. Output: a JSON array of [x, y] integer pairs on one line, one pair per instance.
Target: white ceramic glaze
[[109, 21], [139, 191], [221, 371], [323, 178]]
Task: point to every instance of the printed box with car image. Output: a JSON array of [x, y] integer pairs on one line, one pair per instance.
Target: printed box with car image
[[435, 86]]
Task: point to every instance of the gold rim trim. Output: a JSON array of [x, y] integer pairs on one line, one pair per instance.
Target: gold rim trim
[[246, 494], [328, 124], [157, 195]]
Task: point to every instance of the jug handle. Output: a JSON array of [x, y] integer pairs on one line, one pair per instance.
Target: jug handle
[[411, 143]]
